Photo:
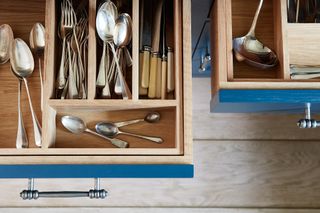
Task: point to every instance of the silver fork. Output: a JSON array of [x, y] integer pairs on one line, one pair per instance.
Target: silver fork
[[66, 28]]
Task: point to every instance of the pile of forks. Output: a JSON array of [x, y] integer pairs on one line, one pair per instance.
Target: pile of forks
[[71, 81]]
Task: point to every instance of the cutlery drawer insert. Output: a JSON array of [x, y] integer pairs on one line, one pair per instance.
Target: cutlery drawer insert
[[86, 100], [295, 44]]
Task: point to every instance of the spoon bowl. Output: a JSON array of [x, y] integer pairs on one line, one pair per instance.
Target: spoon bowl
[[73, 124], [37, 38], [22, 61], [6, 38], [122, 30], [153, 117], [105, 21]]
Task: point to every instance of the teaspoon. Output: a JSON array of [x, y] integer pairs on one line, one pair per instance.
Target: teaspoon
[[78, 126], [153, 117], [111, 130], [37, 44], [22, 64], [250, 50]]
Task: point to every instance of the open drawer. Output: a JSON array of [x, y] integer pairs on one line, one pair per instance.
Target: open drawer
[[238, 87], [66, 154]]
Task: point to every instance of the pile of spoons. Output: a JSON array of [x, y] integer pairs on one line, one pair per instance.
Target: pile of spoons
[[22, 66], [115, 31], [250, 50], [109, 131]]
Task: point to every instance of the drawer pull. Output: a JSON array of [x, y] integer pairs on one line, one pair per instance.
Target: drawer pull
[[31, 194], [308, 123]]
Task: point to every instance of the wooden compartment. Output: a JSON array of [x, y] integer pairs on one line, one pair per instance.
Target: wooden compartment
[[61, 147], [293, 43]]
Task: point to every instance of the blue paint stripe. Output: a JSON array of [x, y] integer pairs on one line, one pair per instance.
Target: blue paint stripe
[[96, 171], [269, 96]]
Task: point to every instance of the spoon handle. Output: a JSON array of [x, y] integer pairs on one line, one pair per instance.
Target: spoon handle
[[22, 139], [36, 125], [255, 20], [61, 80], [41, 82], [116, 142], [152, 139], [127, 123], [101, 80]]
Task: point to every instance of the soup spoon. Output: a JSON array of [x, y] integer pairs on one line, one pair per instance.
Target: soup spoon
[[22, 64], [6, 37]]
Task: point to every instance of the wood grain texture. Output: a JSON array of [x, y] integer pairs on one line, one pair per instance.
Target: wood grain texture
[[227, 174]]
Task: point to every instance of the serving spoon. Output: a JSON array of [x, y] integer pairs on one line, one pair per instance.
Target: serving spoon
[[37, 44], [22, 64], [250, 50], [78, 126], [111, 130]]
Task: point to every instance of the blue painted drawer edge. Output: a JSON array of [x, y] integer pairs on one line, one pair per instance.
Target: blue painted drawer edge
[[96, 171], [256, 101]]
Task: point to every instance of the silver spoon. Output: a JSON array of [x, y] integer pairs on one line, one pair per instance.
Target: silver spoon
[[22, 63], [37, 44], [103, 29], [6, 38], [249, 49], [77, 126], [22, 138], [122, 37], [153, 117], [105, 23], [111, 130]]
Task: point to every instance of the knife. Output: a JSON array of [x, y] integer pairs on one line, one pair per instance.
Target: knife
[[164, 55], [155, 59], [142, 91], [145, 43]]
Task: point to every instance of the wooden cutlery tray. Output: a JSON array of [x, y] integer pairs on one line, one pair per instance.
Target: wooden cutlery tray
[[293, 44], [62, 147]]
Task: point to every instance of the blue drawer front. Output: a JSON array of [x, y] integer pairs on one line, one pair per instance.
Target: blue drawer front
[[96, 171], [254, 101]]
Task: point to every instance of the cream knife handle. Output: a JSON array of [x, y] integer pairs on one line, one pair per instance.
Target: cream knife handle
[[146, 68], [170, 77], [164, 79], [153, 75], [159, 76], [142, 91]]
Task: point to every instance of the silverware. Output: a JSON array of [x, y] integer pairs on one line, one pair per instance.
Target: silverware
[[6, 37], [37, 44], [152, 117], [77, 126], [111, 130], [66, 29], [250, 50], [22, 63], [105, 23]]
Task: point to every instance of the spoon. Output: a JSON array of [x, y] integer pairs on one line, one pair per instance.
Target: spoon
[[153, 117], [249, 49], [105, 31], [37, 44], [6, 38], [122, 37], [105, 23], [22, 139], [77, 126], [111, 130], [22, 64]]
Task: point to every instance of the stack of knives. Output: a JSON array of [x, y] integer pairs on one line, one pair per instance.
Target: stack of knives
[[156, 58]]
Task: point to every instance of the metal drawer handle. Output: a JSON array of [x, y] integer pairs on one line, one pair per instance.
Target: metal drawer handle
[[31, 194], [308, 123]]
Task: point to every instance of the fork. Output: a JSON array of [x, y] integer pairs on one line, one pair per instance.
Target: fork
[[67, 23]]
